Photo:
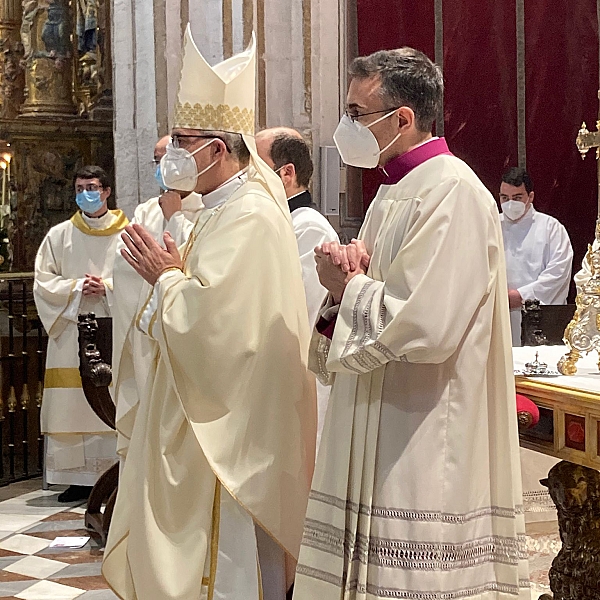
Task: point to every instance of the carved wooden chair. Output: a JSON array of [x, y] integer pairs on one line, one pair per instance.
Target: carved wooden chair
[[95, 354]]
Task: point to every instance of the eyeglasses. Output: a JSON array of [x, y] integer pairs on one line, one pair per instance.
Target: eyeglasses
[[177, 137], [90, 187], [356, 116]]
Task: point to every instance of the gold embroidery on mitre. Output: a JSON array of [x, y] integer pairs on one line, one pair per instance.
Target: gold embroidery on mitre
[[222, 118]]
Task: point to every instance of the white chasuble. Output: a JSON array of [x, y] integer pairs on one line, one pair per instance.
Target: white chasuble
[[80, 446], [133, 352], [417, 491], [230, 407]]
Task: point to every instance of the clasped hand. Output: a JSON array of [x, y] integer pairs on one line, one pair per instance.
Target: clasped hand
[[338, 264], [93, 286], [145, 254]]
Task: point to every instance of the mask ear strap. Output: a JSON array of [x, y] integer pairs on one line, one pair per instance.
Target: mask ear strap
[[390, 144]]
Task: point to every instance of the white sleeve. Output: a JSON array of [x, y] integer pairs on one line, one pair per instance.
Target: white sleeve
[[552, 284], [432, 291], [308, 238], [148, 314]]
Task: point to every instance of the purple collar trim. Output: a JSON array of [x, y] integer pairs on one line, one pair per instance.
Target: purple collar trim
[[402, 165]]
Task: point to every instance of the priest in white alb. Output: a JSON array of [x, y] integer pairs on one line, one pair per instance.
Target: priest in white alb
[[286, 152], [417, 490], [73, 276], [133, 351], [214, 488]]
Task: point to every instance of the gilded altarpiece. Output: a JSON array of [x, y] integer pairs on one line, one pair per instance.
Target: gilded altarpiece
[[55, 111]]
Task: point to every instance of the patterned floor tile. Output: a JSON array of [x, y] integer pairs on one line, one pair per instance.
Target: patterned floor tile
[[54, 526], [17, 522], [98, 595], [8, 589], [72, 557], [96, 582], [79, 570], [35, 566], [49, 590], [24, 544]]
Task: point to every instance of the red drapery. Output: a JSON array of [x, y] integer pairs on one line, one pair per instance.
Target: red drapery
[[480, 105]]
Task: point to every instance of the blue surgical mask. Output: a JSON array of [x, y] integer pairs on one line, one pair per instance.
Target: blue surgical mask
[[89, 202], [159, 178]]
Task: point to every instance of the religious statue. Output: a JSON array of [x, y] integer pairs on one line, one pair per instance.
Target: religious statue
[[45, 34], [87, 23]]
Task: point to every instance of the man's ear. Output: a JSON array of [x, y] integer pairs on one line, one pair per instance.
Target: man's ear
[[109, 191], [531, 195], [219, 148], [405, 117]]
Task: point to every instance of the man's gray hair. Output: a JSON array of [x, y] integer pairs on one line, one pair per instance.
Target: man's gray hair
[[408, 78], [235, 143]]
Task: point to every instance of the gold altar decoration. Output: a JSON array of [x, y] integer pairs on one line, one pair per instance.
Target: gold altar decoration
[[583, 332]]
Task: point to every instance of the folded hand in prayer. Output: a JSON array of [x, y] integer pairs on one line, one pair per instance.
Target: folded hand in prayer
[[93, 286], [146, 256], [338, 264]]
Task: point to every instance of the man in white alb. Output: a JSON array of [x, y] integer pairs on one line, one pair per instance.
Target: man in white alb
[[133, 352], [537, 249], [417, 491], [286, 152], [73, 275]]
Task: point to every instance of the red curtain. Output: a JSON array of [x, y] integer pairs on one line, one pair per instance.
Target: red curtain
[[561, 92], [387, 24], [480, 105]]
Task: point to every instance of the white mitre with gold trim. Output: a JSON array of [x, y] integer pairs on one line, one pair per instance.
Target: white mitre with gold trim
[[216, 98], [222, 98]]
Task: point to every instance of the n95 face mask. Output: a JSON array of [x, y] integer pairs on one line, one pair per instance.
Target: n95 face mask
[[513, 209], [357, 144], [179, 170]]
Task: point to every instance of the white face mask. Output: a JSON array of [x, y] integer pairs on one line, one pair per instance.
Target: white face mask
[[179, 169], [357, 144], [513, 209]]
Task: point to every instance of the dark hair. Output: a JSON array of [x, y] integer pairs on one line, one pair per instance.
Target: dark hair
[[518, 176], [93, 172], [408, 78], [287, 149]]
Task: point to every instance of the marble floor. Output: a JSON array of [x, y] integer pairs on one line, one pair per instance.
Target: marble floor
[[30, 570]]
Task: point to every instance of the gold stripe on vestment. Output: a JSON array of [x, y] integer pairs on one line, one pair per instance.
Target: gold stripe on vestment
[[62, 378], [214, 540], [120, 224]]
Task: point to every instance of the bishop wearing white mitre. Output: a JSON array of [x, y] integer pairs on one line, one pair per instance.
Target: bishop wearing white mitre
[[214, 489]]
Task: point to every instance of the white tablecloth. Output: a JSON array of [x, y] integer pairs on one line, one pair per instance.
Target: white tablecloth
[[587, 378]]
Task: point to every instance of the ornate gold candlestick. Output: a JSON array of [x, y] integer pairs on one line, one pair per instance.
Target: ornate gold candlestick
[[583, 332]]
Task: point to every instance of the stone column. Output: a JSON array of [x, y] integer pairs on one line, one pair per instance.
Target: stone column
[[12, 79], [134, 87], [46, 33]]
